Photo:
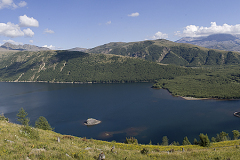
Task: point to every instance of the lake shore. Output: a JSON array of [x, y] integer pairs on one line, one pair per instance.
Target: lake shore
[[193, 98]]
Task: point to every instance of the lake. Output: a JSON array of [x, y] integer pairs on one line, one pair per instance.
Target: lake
[[126, 110]]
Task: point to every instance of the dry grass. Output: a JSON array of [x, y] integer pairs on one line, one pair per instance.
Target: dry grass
[[14, 145]]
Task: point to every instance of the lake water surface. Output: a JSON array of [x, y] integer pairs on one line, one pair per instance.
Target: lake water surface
[[126, 110]]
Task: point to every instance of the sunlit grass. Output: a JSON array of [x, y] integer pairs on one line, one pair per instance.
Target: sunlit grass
[[14, 145]]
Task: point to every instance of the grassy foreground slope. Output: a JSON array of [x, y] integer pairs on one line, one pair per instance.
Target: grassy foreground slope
[[72, 66], [14, 144]]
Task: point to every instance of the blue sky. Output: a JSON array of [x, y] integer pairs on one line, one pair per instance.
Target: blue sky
[[90, 23]]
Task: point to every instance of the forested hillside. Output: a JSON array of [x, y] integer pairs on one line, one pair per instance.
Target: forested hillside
[[73, 66], [168, 52], [220, 83]]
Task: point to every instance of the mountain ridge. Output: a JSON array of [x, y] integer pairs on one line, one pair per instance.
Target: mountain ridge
[[228, 42], [25, 47], [168, 52]]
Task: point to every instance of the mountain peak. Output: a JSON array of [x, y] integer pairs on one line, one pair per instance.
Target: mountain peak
[[227, 42]]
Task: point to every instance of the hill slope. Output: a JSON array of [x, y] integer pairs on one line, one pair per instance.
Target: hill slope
[[72, 66], [226, 42], [168, 52], [17, 143]]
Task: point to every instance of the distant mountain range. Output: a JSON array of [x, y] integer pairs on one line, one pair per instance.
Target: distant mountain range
[[77, 49], [226, 42], [25, 47]]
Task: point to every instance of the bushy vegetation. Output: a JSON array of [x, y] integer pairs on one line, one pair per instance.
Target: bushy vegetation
[[131, 140]]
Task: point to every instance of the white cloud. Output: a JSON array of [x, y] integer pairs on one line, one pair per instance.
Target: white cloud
[[50, 47], [13, 30], [10, 30], [30, 41], [28, 32], [109, 22], [26, 21], [196, 31], [11, 4], [160, 35], [22, 4], [13, 42], [134, 14], [48, 31]]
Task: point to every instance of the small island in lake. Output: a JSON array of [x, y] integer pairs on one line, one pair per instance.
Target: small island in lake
[[237, 114], [91, 122]]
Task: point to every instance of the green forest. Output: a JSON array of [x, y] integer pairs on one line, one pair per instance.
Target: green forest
[[219, 83], [66, 66]]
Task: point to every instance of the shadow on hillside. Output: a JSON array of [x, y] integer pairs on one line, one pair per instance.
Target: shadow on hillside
[[64, 55], [16, 68]]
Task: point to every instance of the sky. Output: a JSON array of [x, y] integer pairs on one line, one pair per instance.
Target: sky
[[89, 23]]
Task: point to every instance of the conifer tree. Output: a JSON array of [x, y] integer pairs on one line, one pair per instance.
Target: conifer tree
[[165, 141], [204, 140], [42, 123], [22, 117], [186, 141]]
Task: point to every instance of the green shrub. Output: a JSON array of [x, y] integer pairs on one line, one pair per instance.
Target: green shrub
[[29, 132], [131, 140], [144, 151]]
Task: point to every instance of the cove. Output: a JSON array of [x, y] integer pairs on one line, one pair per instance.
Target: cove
[[126, 110]]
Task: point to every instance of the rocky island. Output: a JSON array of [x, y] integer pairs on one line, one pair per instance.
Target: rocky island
[[91, 122]]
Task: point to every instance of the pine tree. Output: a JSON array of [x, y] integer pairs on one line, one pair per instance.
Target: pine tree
[[195, 141], [236, 134], [204, 140], [165, 141], [186, 141], [22, 117], [42, 123]]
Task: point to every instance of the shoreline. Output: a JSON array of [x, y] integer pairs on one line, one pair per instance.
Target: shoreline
[[183, 97], [75, 82], [193, 98]]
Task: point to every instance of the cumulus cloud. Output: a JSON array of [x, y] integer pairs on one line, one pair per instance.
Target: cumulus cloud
[[50, 47], [109, 22], [13, 30], [30, 41], [196, 31], [25, 21], [28, 32], [48, 31], [10, 4], [13, 42], [160, 35], [10, 30], [134, 14]]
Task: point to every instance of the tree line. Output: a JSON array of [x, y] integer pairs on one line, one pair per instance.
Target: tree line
[[203, 139]]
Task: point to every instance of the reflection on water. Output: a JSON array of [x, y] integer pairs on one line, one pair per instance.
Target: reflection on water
[[130, 132], [131, 109]]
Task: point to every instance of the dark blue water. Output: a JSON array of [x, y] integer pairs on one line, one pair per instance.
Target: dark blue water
[[132, 109]]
